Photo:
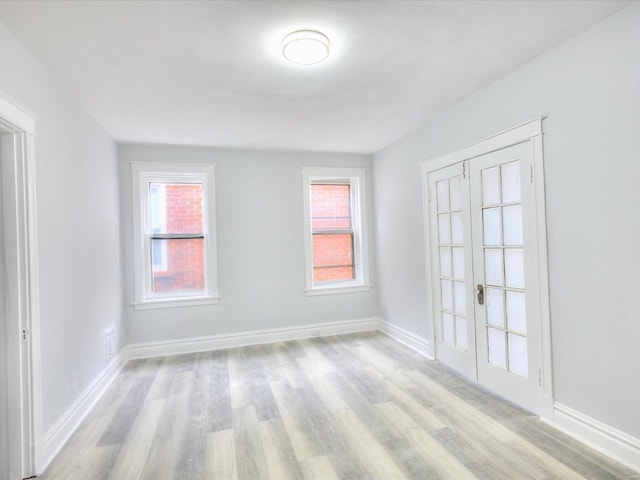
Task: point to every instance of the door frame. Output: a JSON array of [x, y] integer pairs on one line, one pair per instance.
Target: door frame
[[532, 132], [21, 292]]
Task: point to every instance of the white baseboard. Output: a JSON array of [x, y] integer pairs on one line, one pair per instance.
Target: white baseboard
[[50, 444], [255, 337], [610, 441], [411, 340]]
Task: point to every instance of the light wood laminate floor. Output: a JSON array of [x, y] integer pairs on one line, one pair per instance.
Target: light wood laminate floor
[[349, 407]]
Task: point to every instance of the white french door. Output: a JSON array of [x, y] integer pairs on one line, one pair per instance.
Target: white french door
[[505, 273], [452, 272], [485, 271]]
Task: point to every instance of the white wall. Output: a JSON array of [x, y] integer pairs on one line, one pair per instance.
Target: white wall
[[78, 231], [260, 246], [590, 89]]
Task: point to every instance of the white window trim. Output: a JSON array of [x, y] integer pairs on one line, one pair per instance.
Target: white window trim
[[144, 173], [357, 180]]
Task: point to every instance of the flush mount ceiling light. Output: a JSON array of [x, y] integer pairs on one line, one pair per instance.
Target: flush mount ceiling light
[[305, 47]]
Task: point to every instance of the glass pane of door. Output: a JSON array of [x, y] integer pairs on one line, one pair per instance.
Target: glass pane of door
[[504, 267]]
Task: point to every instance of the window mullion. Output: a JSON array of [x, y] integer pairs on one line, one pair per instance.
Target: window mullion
[[175, 236], [333, 232]]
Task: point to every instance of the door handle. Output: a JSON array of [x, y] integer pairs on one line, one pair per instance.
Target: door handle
[[480, 288]]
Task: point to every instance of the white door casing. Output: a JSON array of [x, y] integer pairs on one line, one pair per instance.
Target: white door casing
[[518, 150], [4, 397], [20, 297]]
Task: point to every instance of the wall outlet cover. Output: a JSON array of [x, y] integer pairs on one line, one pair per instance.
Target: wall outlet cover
[[110, 344]]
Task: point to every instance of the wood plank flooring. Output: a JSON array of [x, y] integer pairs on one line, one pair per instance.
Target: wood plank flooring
[[346, 407]]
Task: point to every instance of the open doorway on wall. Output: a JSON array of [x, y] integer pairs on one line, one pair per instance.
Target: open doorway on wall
[[17, 298], [4, 396]]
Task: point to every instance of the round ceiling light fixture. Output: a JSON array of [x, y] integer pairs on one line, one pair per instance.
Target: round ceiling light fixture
[[305, 47]]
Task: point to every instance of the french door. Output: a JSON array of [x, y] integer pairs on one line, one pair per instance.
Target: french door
[[452, 272], [483, 231]]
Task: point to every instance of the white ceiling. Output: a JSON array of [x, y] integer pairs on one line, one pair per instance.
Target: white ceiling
[[211, 73]]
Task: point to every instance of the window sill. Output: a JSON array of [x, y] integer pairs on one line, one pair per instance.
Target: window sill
[[335, 290], [175, 302]]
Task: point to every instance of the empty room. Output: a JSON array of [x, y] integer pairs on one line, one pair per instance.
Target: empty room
[[319, 239]]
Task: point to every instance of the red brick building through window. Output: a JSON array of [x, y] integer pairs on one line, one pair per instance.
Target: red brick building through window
[[178, 262], [332, 232]]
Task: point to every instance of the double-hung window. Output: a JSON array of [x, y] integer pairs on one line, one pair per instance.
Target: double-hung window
[[336, 230], [174, 234]]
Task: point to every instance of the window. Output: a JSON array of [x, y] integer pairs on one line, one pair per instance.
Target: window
[[158, 218], [335, 225], [174, 230]]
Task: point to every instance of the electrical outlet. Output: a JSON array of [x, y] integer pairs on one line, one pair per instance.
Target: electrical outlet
[[110, 344]]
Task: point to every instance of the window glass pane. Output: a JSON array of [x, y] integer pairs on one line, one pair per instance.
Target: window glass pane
[[444, 229], [157, 208], [442, 189], [457, 233], [461, 333], [332, 257], [516, 312], [460, 298], [458, 263], [512, 225], [495, 306], [176, 207], [455, 192], [445, 262], [518, 357], [330, 207], [447, 328], [490, 186], [511, 182], [158, 255], [182, 267], [514, 267], [446, 291], [496, 344], [491, 226], [493, 266]]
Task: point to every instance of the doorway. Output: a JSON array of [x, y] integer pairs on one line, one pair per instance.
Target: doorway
[[488, 275], [18, 301], [4, 386]]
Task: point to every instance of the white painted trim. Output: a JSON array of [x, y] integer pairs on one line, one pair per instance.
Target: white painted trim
[[337, 290], [13, 112], [357, 177], [255, 337], [543, 274], [507, 138], [598, 435], [21, 291], [411, 340], [50, 444], [176, 303], [142, 174], [608, 440]]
